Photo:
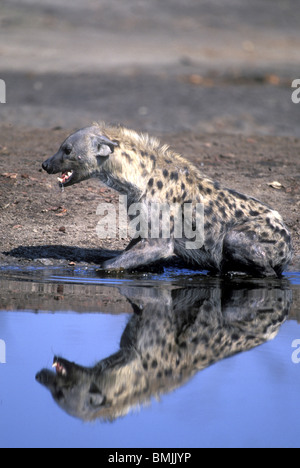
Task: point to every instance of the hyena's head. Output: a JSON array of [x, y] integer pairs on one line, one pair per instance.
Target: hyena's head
[[96, 393], [73, 388], [80, 156]]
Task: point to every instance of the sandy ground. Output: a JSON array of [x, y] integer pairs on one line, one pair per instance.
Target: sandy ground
[[40, 223], [212, 79]]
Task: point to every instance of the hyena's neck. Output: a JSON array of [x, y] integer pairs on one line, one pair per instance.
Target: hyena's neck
[[128, 170], [124, 187]]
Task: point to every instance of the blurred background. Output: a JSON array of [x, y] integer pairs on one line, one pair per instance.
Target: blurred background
[[161, 66]]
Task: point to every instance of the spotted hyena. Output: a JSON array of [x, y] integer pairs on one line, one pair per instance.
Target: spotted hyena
[[240, 233], [174, 333]]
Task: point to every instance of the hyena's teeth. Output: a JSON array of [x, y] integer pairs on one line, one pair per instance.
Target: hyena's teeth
[[65, 177], [59, 368]]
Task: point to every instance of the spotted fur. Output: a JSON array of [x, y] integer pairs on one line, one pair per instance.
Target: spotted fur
[[240, 233], [174, 333]]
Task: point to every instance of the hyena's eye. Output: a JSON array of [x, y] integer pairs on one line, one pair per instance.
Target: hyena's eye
[[68, 150]]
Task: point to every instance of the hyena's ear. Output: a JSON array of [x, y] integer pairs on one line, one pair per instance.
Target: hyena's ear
[[95, 397], [102, 145]]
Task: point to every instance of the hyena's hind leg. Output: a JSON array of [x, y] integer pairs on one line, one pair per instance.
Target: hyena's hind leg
[[144, 252], [247, 248]]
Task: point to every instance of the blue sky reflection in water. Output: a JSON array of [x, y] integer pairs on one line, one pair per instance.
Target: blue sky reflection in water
[[249, 399]]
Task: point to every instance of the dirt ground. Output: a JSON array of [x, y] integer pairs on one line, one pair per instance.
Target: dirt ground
[[42, 225], [211, 79]]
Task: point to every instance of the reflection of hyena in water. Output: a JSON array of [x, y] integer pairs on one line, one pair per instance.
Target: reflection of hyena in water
[[240, 233], [174, 333]]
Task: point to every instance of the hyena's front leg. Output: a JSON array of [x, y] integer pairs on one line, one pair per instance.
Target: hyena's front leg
[[143, 253]]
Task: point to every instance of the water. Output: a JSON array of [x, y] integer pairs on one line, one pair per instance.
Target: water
[[203, 362]]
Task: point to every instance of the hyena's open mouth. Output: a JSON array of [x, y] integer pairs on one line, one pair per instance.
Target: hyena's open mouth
[[59, 367], [65, 178]]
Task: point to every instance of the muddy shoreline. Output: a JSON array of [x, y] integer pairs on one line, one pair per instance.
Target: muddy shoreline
[[40, 225]]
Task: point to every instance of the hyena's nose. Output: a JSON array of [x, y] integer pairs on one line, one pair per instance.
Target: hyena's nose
[[45, 166]]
